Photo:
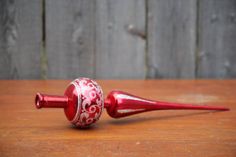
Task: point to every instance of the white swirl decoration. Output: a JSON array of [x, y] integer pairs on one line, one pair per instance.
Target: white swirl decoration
[[90, 102]]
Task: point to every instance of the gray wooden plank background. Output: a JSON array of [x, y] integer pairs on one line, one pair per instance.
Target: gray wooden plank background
[[70, 38], [20, 39], [110, 39], [217, 39], [119, 53], [171, 38]]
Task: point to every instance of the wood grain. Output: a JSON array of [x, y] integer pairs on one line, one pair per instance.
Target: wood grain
[[20, 39], [120, 43], [110, 39], [70, 38], [171, 38], [25, 131], [217, 35]]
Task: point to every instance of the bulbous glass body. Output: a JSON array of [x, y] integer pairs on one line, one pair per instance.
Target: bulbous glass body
[[85, 102]]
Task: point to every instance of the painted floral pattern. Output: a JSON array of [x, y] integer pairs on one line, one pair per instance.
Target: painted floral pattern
[[90, 102]]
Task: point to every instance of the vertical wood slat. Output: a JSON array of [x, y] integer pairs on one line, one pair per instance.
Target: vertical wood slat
[[217, 39], [171, 38], [20, 39], [70, 38], [120, 53], [97, 39]]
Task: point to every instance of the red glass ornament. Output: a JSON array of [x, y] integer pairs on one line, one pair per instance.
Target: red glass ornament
[[83, 103]]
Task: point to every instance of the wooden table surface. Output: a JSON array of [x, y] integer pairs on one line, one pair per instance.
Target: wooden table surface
[[25, 131]]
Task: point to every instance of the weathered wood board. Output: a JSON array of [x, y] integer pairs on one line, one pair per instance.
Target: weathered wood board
[[171, 38], [217, 39], [111, 39], [20, 39], [120, 50], [70, 38]]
